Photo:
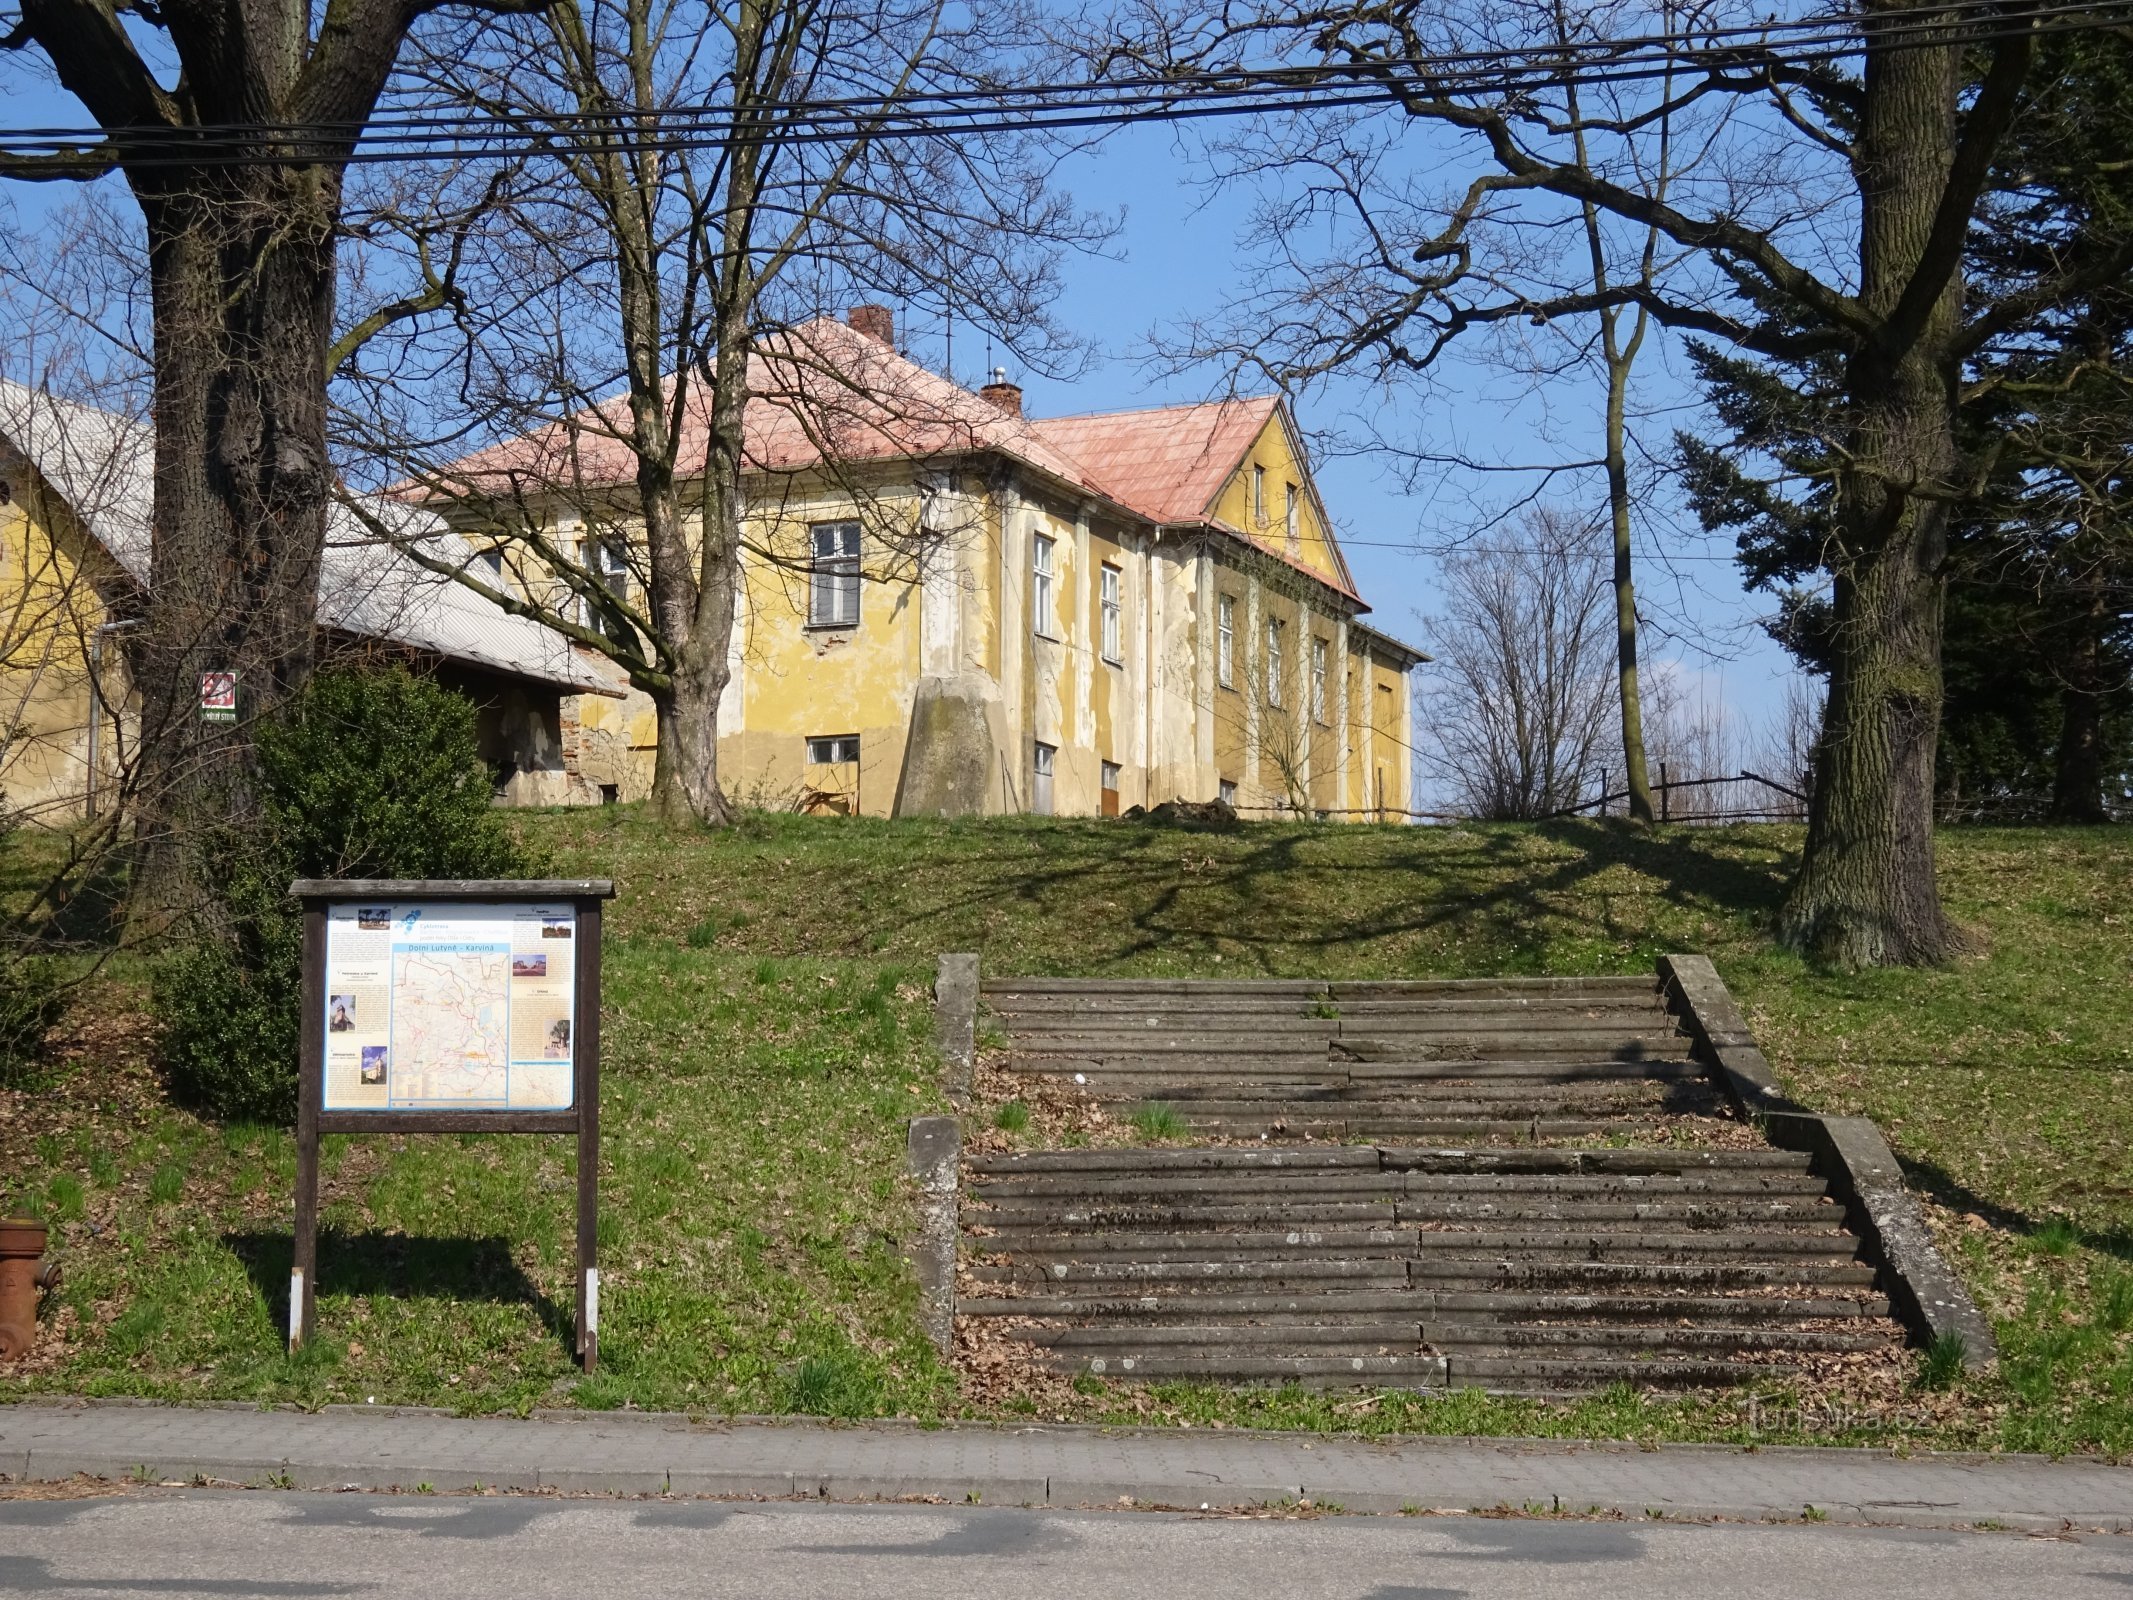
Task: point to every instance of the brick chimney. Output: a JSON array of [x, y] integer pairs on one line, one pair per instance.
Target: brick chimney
[[876, 322], [1001, 394]]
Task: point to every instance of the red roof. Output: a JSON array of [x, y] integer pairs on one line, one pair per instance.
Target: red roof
[[1169, 462], [825, 390], [820, 390]]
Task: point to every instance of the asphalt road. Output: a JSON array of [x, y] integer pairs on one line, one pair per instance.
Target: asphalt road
[[233, 1545]]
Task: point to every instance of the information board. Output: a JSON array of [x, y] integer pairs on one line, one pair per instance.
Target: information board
[[450, 1006]]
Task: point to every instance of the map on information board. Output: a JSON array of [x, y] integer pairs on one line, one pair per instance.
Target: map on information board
[[449, 1006]]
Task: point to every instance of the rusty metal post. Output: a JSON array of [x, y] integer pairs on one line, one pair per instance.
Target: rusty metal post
[[21, 1244]]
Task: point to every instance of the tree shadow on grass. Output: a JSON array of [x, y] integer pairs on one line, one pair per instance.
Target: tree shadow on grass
[[1942, 1187], [1484, 880], [402, 1267]]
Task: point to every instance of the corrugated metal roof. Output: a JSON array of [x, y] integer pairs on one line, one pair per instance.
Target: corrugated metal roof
[[103, 465]]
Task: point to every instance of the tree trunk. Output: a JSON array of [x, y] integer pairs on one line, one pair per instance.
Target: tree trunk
[[2077, 781], [1636, 779], [242, 276], [1866, 894]]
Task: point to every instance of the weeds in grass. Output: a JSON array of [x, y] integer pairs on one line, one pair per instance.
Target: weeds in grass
[[835, 1384], [704, 934], [1158, 1121], [167, 1184], [1013, 1117], [1941, 1362], [63, 1198], [2114, 1300], [2057, 1236]]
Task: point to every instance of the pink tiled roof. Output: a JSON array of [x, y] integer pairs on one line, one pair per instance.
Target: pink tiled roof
[[1169, 462], [821, 389]]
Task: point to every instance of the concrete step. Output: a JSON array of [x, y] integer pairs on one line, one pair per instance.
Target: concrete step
[[1589, 1340], [1385, 1272], [1015, 1224], [1450, 1272], [1519, 1374], [1205, 1243], [1106, 1163], [1003, 1221], [1333, 1306], [1631, 1242], [1362, 1124], [1384, 1335], [1250, 1366], [1001, 986]]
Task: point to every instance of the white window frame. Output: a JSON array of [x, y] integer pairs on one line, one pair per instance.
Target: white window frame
[[1226, 791], [833, 575], [1111, 590], [1273, 662], [1319, 651], [1226, 641], [1295, 521], [1258, 494], [1043, 614], [1109, 775], [832, 749], [1042, 763]]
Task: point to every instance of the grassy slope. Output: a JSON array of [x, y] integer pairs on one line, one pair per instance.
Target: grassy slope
[[767, 1027]]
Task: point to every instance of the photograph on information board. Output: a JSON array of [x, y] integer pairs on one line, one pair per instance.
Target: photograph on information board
[[449, 1006]]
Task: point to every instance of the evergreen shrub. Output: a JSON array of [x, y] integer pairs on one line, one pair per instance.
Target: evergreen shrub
[[365, 774]]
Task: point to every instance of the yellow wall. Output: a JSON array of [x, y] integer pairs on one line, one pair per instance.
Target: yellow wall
[[49, 610], [1276, 453], [1158, 712]]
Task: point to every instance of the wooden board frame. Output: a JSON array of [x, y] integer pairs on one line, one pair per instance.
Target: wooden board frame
[[586, 897]]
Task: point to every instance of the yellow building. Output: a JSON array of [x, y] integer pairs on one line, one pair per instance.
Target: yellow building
[[76, 502], [950, 608]]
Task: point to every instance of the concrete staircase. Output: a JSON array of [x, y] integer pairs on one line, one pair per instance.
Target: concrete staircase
[[1529, 1185]]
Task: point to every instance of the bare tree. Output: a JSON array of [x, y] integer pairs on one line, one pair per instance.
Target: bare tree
[[1832, 221], [685, 272], [242, 231], [1519, 696]]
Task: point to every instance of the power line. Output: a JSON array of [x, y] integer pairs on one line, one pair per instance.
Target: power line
[[1065, 106]]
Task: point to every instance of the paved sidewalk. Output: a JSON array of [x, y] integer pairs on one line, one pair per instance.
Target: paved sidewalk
[[645, 1453]]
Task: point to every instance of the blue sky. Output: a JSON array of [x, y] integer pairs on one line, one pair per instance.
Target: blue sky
[[1173, 260], [1176, 261]]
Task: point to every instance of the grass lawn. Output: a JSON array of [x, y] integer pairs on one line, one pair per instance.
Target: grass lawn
[[767, 1028]]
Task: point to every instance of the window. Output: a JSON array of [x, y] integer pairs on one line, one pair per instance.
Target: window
[[1042, 619], [1111, 613], [1259, 494], [1289, 510], [1226, 641], [489, 566], [609, 561], [833, 576], [1040, 778], [1110, 788], [1273, 662], [830, 751], [1318, 680], [1226, 791]]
